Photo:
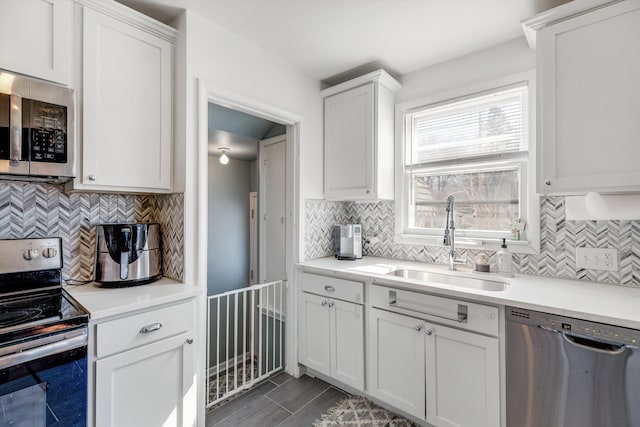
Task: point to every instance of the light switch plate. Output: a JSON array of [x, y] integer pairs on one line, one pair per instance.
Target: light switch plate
[[597, 259]]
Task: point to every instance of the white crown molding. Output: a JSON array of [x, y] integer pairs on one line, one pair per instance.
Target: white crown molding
[[132, 17], [379, 76], [558, 14]]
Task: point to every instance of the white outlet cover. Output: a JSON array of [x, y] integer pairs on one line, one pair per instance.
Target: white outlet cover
[[603, 259]]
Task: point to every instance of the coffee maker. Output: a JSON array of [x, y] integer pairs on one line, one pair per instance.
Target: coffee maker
[[127, 254], [347, 241]]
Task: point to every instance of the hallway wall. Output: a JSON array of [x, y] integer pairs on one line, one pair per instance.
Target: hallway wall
[[228, 239]]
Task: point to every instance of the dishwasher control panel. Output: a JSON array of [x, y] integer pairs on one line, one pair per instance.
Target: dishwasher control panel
[[594, 330]]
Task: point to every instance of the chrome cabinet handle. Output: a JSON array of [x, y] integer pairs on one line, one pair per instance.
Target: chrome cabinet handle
[[151, 328], [428, 331], [189, 341], [461, 318], [331, 304], [329, 288], [92, 177], [324, 303], [418, 328]]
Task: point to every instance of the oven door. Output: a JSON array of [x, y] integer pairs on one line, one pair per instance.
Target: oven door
[[43, 382]]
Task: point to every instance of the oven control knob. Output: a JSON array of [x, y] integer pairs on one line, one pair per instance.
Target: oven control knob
[[30, 254], [49, 252]]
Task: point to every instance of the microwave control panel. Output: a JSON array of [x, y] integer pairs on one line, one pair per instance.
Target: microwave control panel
[[47, 132]]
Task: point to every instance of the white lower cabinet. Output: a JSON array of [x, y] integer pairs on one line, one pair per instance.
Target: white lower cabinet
[[463, 386], [331, 331], [396, 353], [145, 386], [144, 369], [446, 376]]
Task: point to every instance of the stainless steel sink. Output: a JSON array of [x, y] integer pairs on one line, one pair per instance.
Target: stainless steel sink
[[454, 280]]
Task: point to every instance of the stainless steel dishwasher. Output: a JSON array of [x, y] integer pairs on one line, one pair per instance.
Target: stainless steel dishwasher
[[567, 372]]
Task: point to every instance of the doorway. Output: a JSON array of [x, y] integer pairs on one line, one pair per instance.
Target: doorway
[[254, 163], [246, 249]]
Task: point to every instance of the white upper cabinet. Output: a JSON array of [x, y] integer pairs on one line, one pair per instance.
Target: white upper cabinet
[[588, 98], [358, 138], [127, 88], [36, 38]]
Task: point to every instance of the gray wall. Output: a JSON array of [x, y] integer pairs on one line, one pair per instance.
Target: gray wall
[[228, 240]]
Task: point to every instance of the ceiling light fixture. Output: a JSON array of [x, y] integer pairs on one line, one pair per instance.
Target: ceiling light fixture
[[224, 159]]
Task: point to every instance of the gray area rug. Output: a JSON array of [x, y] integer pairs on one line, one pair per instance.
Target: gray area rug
[[360, 412]]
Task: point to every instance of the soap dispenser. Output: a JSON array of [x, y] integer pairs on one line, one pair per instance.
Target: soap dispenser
[[504, 260]]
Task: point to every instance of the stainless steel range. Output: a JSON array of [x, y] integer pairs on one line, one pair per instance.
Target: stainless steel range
[[43, 339]]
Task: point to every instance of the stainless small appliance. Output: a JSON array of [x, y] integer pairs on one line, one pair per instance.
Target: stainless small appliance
[[567, 372], [128, 254], [43, 339], [36, 130], [347, 240]]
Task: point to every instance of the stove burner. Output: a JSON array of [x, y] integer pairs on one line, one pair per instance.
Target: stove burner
[[15, 317]]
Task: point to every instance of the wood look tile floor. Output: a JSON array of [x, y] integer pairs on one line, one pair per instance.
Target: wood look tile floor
[[279, 401]]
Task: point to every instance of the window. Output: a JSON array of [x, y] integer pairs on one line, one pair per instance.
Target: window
[[476, 148]]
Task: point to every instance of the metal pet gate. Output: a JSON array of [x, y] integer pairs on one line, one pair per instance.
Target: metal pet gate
[[246, 332]]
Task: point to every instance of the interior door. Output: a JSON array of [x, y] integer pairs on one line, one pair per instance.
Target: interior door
[[272, 228]]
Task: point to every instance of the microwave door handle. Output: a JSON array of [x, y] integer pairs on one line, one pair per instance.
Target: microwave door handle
[[15, 128]]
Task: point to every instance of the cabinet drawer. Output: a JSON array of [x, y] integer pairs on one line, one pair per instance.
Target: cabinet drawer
[[129, 332], [477, 317], [332, 287]]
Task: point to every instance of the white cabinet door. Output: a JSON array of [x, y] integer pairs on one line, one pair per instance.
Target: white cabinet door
[[147, 386], [332, 338], [36, 38], [347, 343], [349, 143], [396, 361], [463, 378], [589, 102], [127, 106], [315, 340]]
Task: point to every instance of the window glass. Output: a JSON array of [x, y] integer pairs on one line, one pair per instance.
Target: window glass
[[475, 148]]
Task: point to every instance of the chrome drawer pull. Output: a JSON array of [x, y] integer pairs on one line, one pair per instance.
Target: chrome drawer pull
[[151, 328], [329, 288], [461, 318]]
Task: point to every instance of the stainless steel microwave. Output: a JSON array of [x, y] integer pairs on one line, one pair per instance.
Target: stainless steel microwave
[[36, 130]]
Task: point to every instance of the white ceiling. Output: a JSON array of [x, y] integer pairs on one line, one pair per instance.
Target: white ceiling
[[327, 38]]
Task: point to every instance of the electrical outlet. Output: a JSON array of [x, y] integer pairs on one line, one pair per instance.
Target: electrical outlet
[[597, 259], [372, 239]]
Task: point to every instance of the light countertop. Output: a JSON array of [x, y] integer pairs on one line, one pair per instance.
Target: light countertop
[[106, 302], [600, 302]]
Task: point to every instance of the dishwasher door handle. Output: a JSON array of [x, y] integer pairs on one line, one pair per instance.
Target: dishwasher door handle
[[592, 345]]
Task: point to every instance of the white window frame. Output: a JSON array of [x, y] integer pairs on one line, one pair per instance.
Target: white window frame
[[529, 200]]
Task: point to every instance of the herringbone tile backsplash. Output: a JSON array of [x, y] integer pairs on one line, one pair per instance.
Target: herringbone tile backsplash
[[558, 240], [41, 210]]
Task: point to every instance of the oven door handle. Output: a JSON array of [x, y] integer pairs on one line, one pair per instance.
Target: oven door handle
[[34, 353]]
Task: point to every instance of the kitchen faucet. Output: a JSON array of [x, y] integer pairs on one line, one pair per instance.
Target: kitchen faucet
[[450, 237]]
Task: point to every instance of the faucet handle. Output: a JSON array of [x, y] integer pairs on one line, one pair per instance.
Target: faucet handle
[[461, 261], [447, 238]]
